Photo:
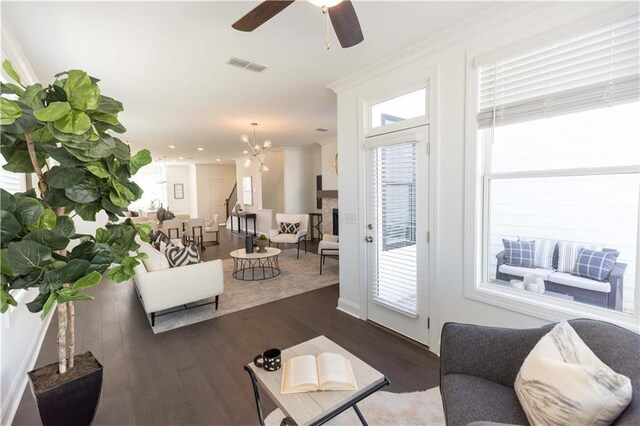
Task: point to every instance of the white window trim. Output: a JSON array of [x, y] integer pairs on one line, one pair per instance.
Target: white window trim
[[475, 257]]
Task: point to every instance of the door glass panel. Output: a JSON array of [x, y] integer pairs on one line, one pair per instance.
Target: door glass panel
[[410, 105], [393, 216]]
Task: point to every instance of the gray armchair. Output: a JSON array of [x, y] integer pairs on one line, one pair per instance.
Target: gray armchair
[[478, 366]]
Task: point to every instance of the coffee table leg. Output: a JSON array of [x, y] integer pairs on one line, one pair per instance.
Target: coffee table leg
[[360, 416], [256, 394]]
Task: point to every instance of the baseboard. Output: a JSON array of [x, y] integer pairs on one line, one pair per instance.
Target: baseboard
[[349, 308], [10, 406]]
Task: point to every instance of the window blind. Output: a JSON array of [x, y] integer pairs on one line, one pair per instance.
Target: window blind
[[9, 181], [392, 210], [593, 70]]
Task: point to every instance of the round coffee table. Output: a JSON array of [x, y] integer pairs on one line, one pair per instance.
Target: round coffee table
[[255, 266]]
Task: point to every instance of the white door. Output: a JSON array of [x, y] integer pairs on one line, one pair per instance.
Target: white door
[[397, 231], [216, 198]]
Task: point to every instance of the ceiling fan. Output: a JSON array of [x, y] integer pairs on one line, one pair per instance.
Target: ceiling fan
[[341, 12]]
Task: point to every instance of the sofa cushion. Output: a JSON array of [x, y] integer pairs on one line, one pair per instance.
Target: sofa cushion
[[519, 253], [562, 382], [521, 272], [181, 256], [595, 265], [155, 261], [284, 238], [289, 228], [568, 254], [579, 282], [470, 398]]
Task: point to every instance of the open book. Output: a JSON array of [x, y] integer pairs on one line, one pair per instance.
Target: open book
[[308, 373]]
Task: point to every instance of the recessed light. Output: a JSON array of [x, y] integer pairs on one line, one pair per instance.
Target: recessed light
[[180, 158], [200, 149], [172, 146], [217, 159]]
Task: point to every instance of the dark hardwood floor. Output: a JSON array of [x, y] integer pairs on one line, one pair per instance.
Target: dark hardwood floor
[[194, 375]]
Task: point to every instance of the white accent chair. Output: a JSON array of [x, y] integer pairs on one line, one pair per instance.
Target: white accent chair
[[329, 246], [171, 287], [212, 230], [195, 231], [276, 237]]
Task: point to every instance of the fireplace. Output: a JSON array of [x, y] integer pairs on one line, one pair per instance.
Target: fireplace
[[335, 221]]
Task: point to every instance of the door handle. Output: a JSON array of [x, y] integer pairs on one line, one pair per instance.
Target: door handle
[[369, 239]]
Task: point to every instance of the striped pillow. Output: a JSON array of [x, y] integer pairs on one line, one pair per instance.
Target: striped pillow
[[595, 265], [181, 256], [158, 237], [568, 254], [543, 257], [519, 253]]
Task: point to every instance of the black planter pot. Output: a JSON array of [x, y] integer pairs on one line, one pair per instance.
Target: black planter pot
[[71, 399]]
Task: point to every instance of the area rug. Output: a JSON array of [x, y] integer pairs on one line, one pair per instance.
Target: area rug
[[297, 276], [386, 408]]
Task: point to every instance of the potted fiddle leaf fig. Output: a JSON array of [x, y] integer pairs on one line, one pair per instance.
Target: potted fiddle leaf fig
[[63, 133]]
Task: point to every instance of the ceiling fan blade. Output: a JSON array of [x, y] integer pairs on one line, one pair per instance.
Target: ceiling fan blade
[[261, 14], [345, 23]]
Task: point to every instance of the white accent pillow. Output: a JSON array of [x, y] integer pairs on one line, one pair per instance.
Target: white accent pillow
[[155, 260], [562, 382]]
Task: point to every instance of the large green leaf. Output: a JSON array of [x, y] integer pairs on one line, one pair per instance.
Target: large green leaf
[[62, 156], [5, 269], [32, 96], [57, 198], [25, 257], [48, 304], [85, 191], [20, 161], [47, 221], [72, 271], [10, 111], [100, 149], [28, 210], [65, 226], [48, 238], [33, 279], [10, 89], [109, 105], [105, 118], [37, 304], [64, 137], [70, 295], [138, 161], [64, 177], [88, 211], [6, 300], [86, 97], [98, 168], [7, 201], [8, 68], [74, 122], [9, 227], [87, 281], [54, 111], [23, 124], [42, 135], [75, 80]]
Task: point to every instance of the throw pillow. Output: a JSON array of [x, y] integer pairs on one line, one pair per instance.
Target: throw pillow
[[562, 382], [289, 228], [595, 265], [568, 254], [157, 237], [519, 253], [181, 256], [543, 257]]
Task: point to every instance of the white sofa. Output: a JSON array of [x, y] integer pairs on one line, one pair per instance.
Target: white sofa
[[276, 237], [160, 287]]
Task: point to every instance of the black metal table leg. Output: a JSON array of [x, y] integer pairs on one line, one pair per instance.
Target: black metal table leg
[[360, 416], [256, 394]]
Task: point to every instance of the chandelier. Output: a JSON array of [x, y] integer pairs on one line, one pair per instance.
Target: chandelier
[[256, 149]]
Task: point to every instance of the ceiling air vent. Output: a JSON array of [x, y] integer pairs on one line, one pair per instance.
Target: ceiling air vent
[[320, 129], [244, 64]]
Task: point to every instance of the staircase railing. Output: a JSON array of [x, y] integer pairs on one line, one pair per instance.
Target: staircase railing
[[231, 200]]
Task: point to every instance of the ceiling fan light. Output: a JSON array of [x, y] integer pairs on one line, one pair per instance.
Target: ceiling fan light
[[266, 144], [323, 3], [247, 162], [244, 139], [265, 168]]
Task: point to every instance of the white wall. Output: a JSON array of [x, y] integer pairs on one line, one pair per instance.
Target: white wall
[[329, 151], [179, 174], [299, 180], [273, 183], [498, 27]]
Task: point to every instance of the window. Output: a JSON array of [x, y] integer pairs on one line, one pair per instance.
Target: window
[[558, 146], [401, 108]]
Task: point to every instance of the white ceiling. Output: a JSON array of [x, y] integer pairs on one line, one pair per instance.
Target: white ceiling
[[166, 62]]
